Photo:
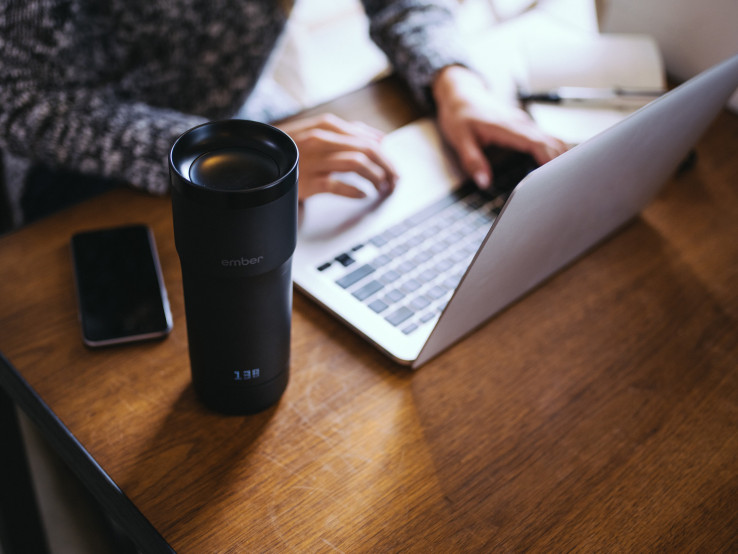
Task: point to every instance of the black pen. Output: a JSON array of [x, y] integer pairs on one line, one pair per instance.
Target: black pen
[[607, 96]]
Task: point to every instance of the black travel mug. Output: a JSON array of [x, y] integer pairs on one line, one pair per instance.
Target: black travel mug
[[234, 204]]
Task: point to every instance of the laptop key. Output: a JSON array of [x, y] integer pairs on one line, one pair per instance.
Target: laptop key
[[426, 317], [378, 241], [390, 277], [378, 306], [451, 282], [427, 275], [419, 302], [367, 290], [381, 260], [438, 247], [394, 296], [411, 285], [345, 259], [436, 292], [458, 256], [434, 208], [398, 250], [422, 257], [355, 276], [400, 315], [444, 265], [413, 241], [406, 267], [471, 248]]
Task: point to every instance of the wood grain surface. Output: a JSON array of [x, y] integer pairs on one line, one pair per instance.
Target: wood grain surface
[[599, 413]]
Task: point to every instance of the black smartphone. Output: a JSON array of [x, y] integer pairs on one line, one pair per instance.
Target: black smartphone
[[121, 295]]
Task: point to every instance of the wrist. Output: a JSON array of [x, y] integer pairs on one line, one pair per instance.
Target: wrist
[[455, 81]]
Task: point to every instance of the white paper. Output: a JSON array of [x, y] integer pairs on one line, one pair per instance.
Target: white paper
[[601, 61]]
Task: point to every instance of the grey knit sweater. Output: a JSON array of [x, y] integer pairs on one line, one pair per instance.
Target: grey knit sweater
[[105, 87]]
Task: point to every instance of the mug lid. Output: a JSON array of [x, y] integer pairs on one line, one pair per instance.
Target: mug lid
[[234, 162]]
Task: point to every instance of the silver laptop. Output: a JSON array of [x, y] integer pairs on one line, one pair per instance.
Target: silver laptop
[[418, 270]]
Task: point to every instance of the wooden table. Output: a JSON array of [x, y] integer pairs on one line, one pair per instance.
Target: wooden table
[[598, 413]]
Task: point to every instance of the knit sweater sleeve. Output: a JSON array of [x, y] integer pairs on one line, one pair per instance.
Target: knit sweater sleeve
[[71, 125], [419, 37], [90, 132]]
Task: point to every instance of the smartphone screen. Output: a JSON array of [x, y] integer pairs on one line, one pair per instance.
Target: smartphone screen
[[120, 290]]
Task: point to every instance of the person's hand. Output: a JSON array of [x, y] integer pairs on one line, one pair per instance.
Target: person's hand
[[329, 146], [471, 117]]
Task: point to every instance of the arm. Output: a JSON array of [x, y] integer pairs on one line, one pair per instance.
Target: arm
[[62, 103], [69, 116], [93, 133], [421, 39]]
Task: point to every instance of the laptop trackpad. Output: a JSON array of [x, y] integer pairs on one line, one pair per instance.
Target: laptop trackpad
[[325, 216]]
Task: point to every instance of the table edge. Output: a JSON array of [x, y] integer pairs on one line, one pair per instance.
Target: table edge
[[106, 492]]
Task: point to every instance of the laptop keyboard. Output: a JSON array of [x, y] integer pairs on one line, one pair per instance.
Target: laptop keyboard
[[408, 273]]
